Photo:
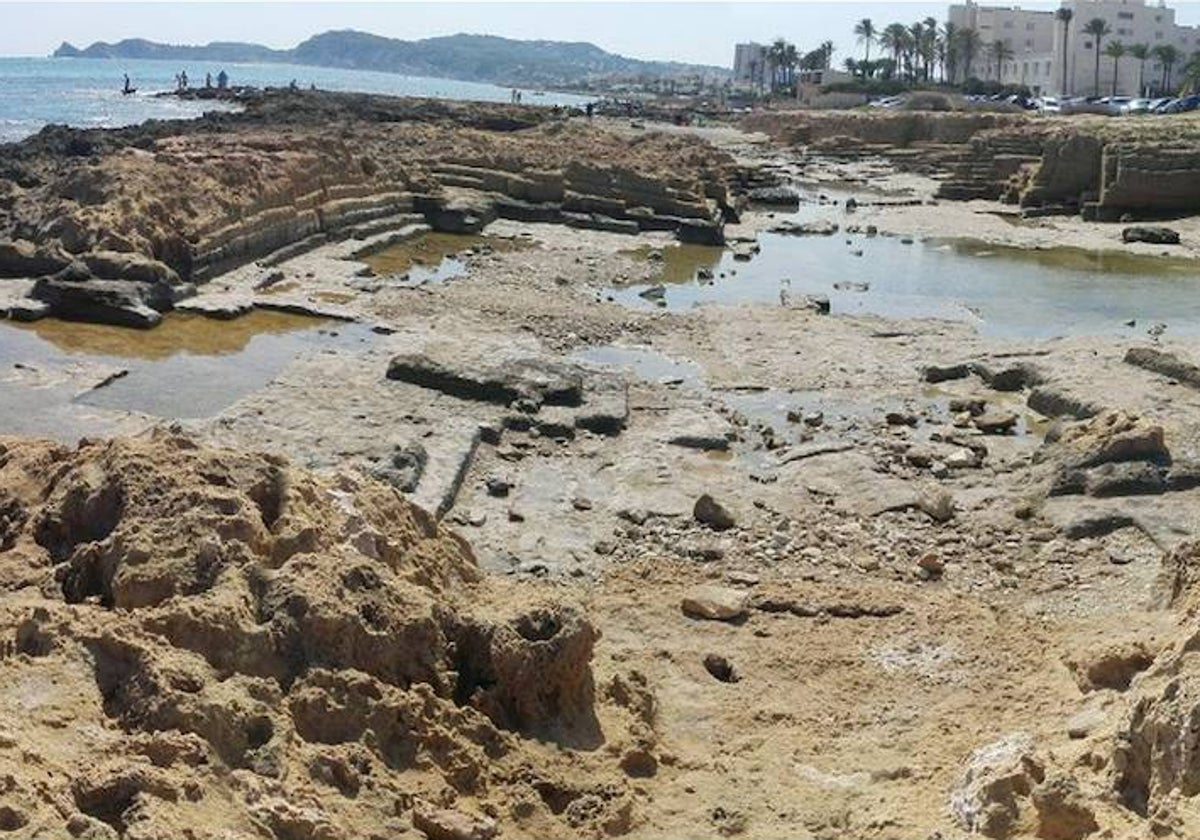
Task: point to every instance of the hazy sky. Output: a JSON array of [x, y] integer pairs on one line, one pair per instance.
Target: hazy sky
[[703, 32]]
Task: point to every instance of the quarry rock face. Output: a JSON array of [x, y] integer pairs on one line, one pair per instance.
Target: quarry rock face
[[154, 205]]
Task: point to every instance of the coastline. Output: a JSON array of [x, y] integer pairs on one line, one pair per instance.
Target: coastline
[[616, 570]]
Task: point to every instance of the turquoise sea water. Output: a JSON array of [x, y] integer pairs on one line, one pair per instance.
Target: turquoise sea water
[[87, 92]]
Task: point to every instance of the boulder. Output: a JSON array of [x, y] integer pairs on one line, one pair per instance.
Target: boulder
[[700, 232], [943, 373], [1154, 235], [715, 603], [995, 422], [775, 196], [541, 380], [1113, 436], [1052, 401], [1125, 478], [459, 217], [708, 511], [992, 796], [1008, 378], [118, 302], [21, 258], [1167, 364], [821, 227], [937, 504], [116, 265], [445, 824]]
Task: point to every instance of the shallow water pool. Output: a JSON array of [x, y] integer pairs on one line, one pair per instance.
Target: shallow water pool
[[187, 367], [1002, 291]]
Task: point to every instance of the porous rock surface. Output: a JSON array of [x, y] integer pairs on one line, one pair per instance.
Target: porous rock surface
[[201, 643]]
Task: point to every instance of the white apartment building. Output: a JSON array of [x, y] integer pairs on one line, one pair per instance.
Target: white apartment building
[[749, 63], [1036, 41]]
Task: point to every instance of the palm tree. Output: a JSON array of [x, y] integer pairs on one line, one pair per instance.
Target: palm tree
[[894, 38], [969, 46], [865, 30], [1115, 50], [851, 66], [1098, 29], [1141, 52], [827, 50], [1191, 74], [930, 46], [914, 39], [1064, 15], [1001, 52], [948, 52], [775, 57], [1167, 56]]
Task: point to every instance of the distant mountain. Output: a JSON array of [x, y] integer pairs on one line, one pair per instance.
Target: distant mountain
[[140, 48], [477, 58]]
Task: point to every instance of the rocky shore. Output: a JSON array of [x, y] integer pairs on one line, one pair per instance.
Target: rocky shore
[[1101, 168], [119, 226], [500, 553]]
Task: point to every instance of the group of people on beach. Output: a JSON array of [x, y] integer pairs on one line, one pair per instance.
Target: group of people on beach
[[181, 80]]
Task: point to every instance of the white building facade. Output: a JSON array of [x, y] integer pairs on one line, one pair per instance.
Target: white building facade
[[1042, 62], [749, 63]]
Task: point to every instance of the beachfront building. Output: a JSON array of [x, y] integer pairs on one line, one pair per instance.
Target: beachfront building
[[1040, 60], [749, 64]]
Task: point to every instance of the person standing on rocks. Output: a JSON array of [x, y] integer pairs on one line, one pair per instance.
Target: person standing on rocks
[[222, 80]]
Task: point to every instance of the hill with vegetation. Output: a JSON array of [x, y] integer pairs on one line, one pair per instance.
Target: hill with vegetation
[[477, 58]]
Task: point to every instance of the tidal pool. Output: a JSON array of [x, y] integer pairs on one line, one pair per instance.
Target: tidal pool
[[1009, 292], [434, 257], [187, 367]]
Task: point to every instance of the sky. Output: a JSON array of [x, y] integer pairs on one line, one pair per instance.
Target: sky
[[698, 32]]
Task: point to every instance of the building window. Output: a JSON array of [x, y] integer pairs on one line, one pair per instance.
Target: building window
[[1157, 36], [1008, 24], [1047, 68], [1087, 45], [1158, 18], [1029, 27], [1125, 15], [1029, 42]]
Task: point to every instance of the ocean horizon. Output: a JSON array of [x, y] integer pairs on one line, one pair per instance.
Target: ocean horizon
[[86, 92]]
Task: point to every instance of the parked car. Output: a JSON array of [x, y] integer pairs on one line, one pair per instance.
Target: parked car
[[1139, 106], [1114, 105], [886, 102], [1182, 105], [1163, 104], [1049, 105], [1083, 105]]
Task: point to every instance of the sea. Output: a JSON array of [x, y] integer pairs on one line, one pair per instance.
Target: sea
[[86, 92]]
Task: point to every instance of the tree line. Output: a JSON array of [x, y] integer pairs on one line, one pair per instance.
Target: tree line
[[925, 52]]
